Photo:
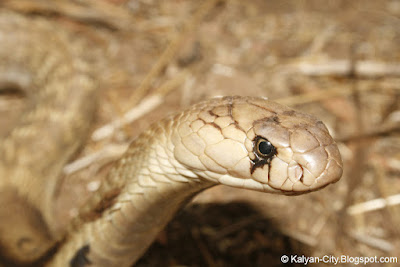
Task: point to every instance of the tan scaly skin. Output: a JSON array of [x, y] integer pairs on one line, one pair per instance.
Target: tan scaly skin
[[244, 142]]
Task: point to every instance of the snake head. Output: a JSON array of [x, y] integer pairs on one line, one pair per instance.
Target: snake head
[[257, 144]]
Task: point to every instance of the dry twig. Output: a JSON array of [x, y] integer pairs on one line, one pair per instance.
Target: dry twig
[[374, 204], [372, 241]]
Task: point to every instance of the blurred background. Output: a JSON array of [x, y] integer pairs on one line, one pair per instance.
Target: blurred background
[[336, 59]]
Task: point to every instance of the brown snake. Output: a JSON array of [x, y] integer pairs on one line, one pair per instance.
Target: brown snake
[[244, 142]]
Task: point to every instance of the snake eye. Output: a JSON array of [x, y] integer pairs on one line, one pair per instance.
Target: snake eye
[[264, 148]]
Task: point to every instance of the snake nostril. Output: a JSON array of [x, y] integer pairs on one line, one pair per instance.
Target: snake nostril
[[302, 174], [295, 172]]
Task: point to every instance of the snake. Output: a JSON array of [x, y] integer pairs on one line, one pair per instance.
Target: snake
[[41, 63], [239, 141]]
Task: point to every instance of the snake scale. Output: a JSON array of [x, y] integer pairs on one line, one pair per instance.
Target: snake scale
[[244, 142]]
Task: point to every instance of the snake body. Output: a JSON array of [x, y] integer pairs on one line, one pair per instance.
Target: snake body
[[244, 142], [41, 61]]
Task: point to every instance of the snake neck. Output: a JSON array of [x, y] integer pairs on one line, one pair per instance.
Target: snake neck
[[141, 195]]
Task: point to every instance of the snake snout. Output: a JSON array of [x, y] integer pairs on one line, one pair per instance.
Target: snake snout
[[316, 159], [307, 160]]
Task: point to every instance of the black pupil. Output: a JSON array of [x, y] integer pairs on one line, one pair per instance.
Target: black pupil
[[265, 147]]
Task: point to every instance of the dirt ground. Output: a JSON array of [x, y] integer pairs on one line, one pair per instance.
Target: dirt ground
[[337, 59]]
